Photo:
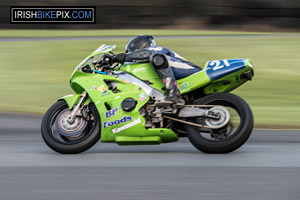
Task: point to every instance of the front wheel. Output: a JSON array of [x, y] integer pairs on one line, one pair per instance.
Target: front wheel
[[229, 137], [70, 137]]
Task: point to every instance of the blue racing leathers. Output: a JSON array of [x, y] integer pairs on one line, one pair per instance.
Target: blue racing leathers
[[176, 68]]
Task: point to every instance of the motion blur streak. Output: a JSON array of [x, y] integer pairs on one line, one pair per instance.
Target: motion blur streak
[[188, 14]]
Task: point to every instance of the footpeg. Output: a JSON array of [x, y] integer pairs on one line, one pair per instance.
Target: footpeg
[[168, 103], [164, 104]]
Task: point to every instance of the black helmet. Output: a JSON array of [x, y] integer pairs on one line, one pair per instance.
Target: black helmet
[[139, 42]]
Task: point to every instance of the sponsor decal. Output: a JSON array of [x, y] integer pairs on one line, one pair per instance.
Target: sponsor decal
[[118, 121], [143, 96], [131, 124], [110, 113], [102, 89], [183, 85], [105, 94], [126, 81]]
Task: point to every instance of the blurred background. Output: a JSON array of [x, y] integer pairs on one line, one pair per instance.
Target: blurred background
[[38, 59], [176, 14]]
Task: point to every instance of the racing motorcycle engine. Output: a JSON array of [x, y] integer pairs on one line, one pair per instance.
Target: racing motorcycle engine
[[154, 115]]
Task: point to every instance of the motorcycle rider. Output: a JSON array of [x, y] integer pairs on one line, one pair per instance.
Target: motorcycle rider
[[168, 64]]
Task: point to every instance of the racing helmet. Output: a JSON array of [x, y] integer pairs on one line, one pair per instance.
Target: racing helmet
[[139, 42]]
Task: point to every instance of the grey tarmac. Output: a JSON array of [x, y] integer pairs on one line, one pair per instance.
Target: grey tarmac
[[266, 167]]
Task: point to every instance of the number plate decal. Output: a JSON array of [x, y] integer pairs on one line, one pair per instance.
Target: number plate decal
[[219, 68]]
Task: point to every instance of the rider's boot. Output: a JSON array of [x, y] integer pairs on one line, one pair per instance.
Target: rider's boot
[[164, 71], [172, 92]]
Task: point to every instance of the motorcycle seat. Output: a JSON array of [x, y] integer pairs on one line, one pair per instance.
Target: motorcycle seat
[[180, 73]]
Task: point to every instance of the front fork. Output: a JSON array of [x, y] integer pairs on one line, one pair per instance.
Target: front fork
[[76, 108]]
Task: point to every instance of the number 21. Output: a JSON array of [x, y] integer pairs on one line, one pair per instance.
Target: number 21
[[218, 66]]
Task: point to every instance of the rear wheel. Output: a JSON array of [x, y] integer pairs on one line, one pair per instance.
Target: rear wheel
[[70, 138], [231, 136]]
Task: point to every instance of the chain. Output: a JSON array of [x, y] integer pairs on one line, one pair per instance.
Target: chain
[[186, 122], [191, 123]]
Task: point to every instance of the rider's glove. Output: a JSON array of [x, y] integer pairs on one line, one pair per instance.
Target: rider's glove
[[120, 58], [109, 59]]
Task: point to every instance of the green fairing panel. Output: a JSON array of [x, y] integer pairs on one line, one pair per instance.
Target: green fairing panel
[[225, 84], [145, 72], [126, 140], [114, 120], [71, 99], [193, 82], [154, 136]]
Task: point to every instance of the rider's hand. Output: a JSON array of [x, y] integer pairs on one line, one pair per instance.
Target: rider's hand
[[120, 58], [108, 59]]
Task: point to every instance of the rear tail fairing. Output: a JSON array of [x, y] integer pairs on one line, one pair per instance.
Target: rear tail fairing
[[226, 75], [218, 76]]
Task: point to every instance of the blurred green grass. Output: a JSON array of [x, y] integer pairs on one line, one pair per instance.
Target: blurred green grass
[[34, 74]]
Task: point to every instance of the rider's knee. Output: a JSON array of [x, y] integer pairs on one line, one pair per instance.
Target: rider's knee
[[159, 61]]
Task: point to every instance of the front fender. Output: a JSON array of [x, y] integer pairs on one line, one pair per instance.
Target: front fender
[[71, 99]]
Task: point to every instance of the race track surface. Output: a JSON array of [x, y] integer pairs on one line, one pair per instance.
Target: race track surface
[[267, 167]]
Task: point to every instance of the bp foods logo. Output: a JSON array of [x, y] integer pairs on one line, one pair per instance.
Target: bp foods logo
[[116, 122], [121, 121], [110, 113], [131, 124]]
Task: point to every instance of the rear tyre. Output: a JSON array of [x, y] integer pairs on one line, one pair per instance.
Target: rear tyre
[[228, 138], [70, 138]]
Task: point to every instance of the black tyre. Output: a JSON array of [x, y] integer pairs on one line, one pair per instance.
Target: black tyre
[[70, 138], [228, 138]]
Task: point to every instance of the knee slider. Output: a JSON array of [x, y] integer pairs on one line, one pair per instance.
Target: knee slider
[[159, 61]]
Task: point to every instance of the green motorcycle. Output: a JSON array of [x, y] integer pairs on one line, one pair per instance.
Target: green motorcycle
[[118, 103]]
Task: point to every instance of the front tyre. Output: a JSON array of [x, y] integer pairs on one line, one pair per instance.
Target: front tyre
[[70, 138], [228, 138]]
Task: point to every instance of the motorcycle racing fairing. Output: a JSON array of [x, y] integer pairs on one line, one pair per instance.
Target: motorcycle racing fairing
[[117, 125], [218, 76], [136, 84]]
